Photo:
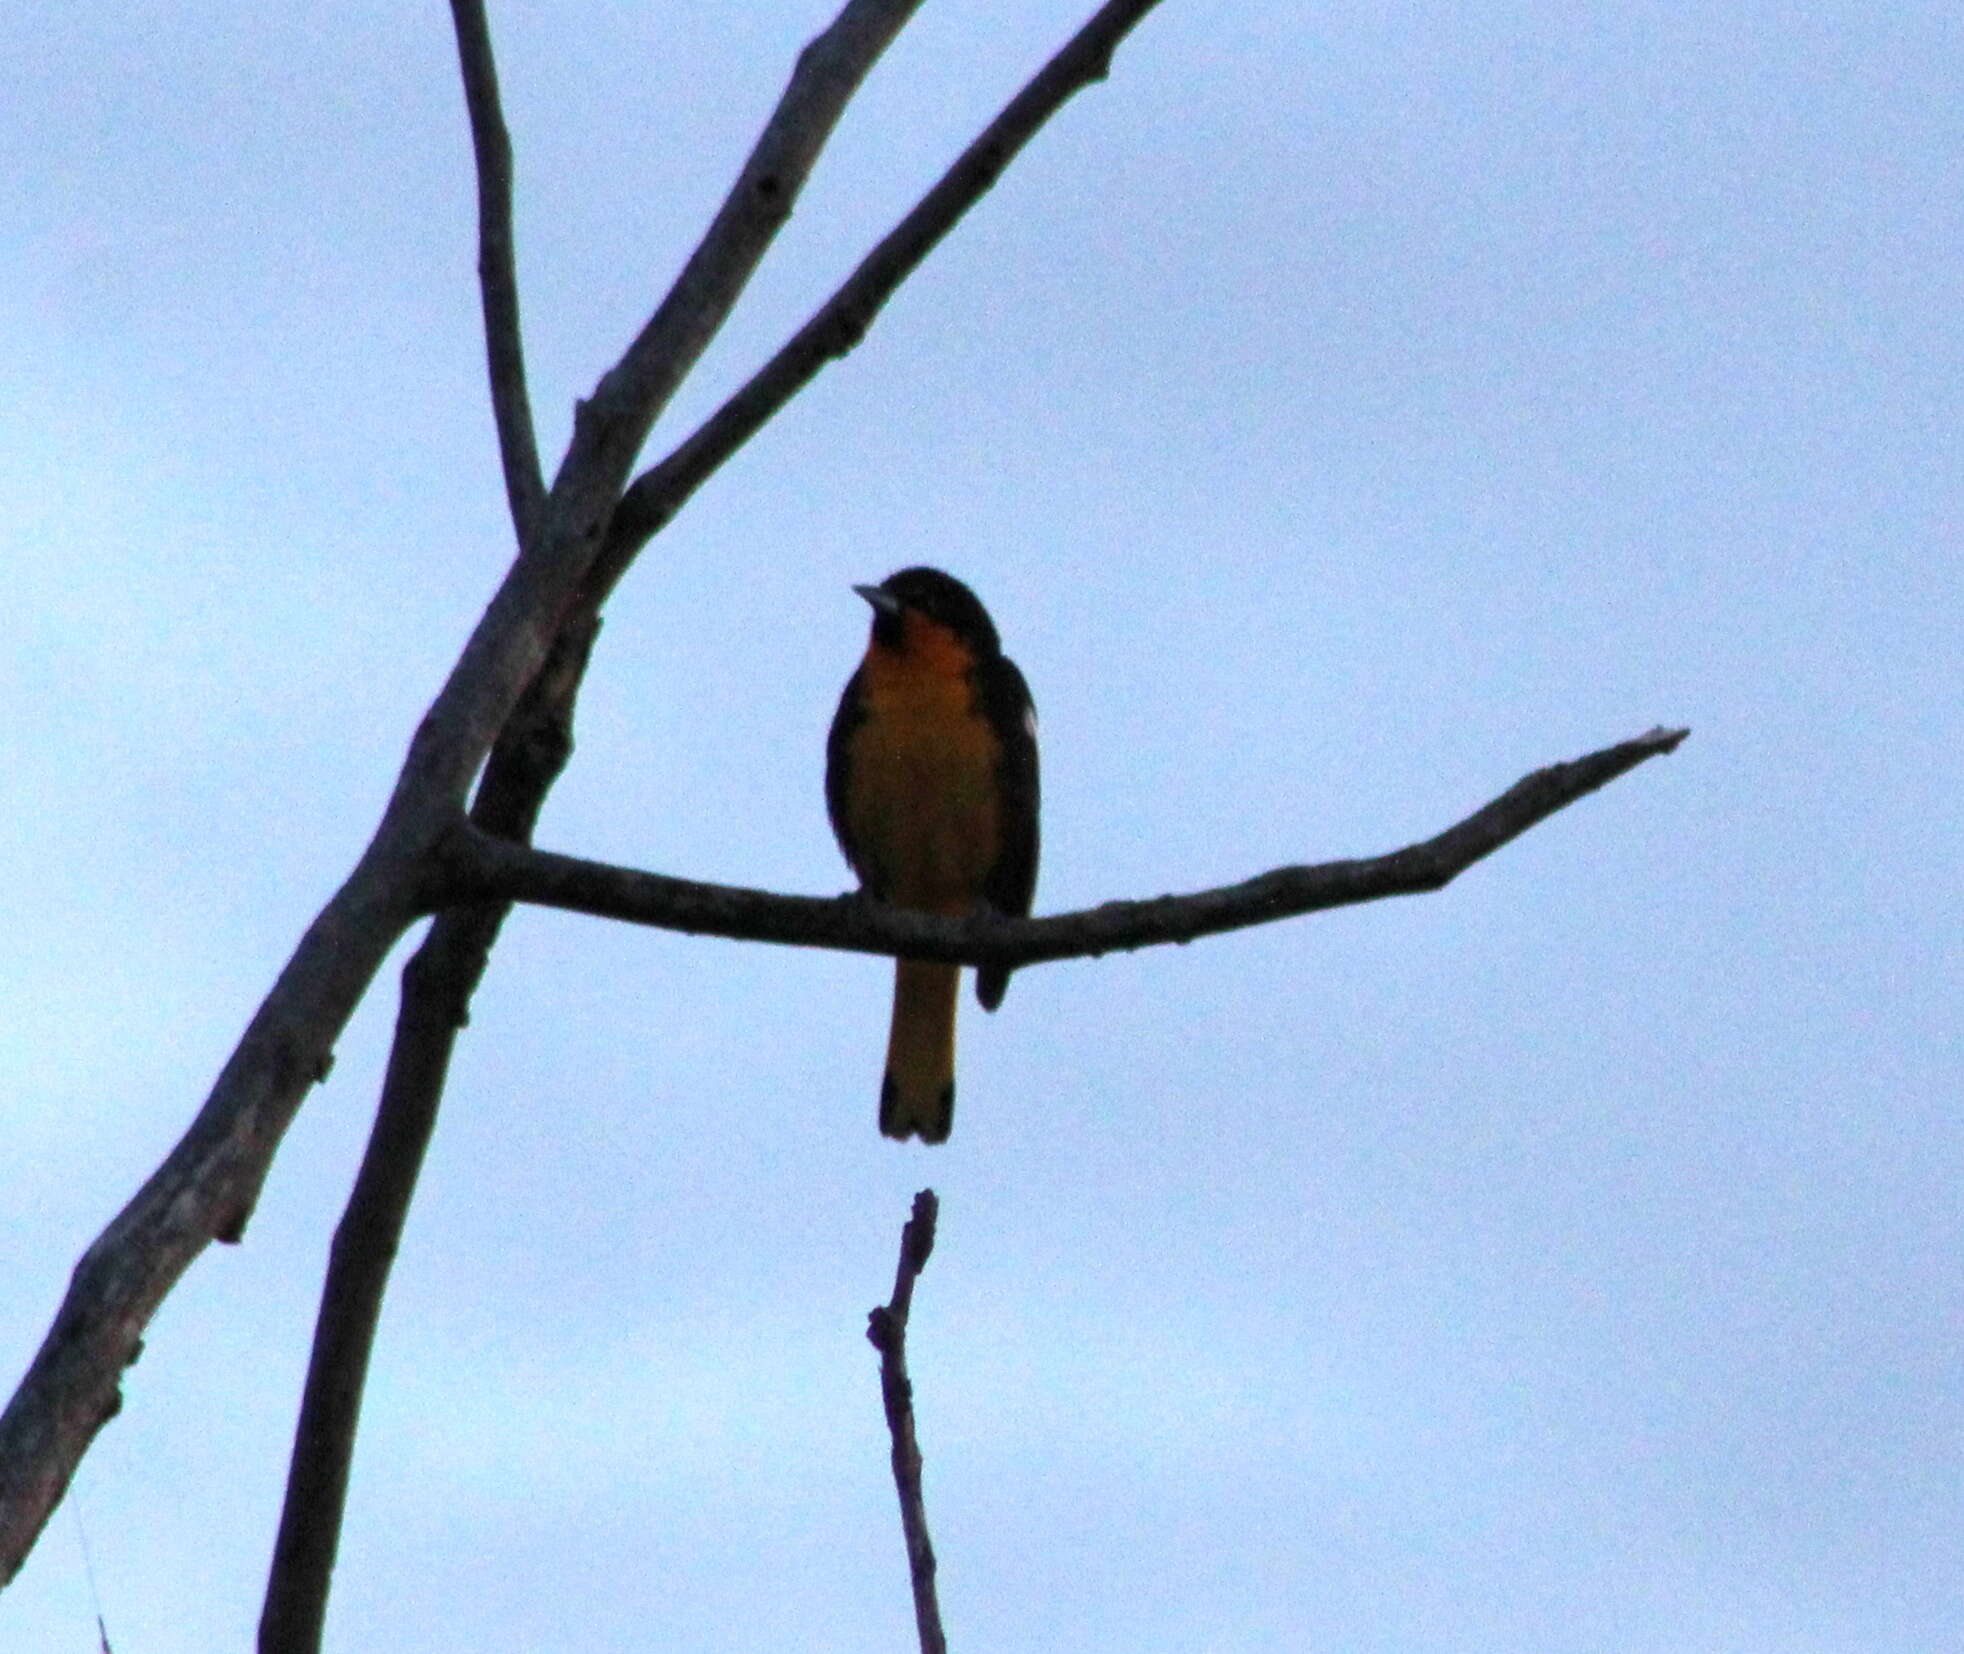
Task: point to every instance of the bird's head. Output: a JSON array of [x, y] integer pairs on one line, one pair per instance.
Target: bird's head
[[922, 609]]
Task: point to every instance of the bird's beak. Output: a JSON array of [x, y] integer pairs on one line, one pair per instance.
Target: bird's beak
[[880, 598]]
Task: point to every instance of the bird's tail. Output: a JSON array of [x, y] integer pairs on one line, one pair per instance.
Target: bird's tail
[[918, 1094]]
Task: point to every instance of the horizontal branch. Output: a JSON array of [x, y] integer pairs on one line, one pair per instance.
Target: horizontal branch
[[477, 866]]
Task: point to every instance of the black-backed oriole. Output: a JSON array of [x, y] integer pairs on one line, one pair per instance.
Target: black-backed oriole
[[931, 781]]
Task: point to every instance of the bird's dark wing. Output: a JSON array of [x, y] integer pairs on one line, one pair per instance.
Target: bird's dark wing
[[838, 762], [1012, 883]]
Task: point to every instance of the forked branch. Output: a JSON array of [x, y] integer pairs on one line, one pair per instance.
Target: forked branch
[[842, 321], [536, 739]]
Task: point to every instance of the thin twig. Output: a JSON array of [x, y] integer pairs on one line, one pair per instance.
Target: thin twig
[[497, 274], [481, 867], [886, 1328]]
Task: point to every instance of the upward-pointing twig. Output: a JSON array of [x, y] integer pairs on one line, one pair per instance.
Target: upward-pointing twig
[[886, 1327], [497, 272]]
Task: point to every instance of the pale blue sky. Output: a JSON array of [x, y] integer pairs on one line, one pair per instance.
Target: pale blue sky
[[1343, 410]]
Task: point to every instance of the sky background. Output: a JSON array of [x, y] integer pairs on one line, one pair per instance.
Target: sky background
[[1343, 410]]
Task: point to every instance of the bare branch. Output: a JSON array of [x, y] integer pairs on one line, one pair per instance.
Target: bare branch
[[440, 980], [480, 867], [365, 1246], [497, 273], [203, 1191], [437, 985], [510, 644], [886, 1329], [838, 326], [419, 860]]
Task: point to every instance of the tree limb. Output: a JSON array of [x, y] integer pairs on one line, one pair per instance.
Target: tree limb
[[479, 867], [886, 1330], [439, 982], [497, 274]]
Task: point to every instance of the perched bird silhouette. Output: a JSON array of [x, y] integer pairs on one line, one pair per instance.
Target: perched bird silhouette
[[931, 782]]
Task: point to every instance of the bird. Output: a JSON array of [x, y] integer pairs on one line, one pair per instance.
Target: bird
[[931, 784]]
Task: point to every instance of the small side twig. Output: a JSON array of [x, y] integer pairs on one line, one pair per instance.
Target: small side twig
[[886, 1328]]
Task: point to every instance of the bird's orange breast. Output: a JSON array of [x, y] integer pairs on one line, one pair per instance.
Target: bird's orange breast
[[924, 811]]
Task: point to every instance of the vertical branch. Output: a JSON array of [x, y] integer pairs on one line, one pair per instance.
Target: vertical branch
[[437, 985], [886, 1327], [497, 273], [365, 1244]]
